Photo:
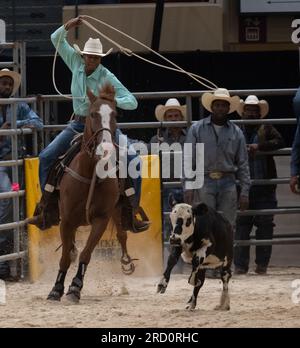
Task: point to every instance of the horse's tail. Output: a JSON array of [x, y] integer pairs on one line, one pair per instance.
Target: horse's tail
[[73, 253]]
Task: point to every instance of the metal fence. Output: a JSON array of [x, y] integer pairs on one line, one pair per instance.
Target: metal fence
[[47, 106], [17, 225]]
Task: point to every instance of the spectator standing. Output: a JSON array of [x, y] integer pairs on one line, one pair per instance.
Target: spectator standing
[[259, 138], [9, 84]]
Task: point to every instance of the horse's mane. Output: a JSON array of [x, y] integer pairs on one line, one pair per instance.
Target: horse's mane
[[107, 92]]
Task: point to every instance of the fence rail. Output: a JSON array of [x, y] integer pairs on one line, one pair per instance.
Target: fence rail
[[43, 102]]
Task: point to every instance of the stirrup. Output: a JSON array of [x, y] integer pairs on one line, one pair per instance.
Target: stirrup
[[140, 225]]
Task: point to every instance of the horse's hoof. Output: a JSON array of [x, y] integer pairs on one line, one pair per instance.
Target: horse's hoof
[[128, 269], [56, 293], [73, 295]]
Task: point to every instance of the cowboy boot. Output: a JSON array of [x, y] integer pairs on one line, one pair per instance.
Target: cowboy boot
[[139, 219], [46, 213]]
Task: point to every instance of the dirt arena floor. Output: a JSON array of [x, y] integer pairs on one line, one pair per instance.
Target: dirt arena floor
[[110, 299]]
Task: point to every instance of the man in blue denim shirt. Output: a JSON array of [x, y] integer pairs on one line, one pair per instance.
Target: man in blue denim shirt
[[9, 84], [295, 157], [225, 157]]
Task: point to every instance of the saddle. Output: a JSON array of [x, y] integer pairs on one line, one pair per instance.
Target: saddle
[[46, 213]]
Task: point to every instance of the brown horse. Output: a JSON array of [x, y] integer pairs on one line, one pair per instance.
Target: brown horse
[[86, 199]]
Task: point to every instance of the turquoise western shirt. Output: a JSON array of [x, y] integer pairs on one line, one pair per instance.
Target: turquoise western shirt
[[80, 81]]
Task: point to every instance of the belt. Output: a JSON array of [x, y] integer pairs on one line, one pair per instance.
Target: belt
[[218, 175], [80, 119]]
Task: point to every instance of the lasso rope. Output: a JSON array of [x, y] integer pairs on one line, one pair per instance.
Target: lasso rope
[[207, 83], [128, 52]]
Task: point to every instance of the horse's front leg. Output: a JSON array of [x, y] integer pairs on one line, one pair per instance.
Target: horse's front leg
[[127, 263], [98, 227], [67, 233]]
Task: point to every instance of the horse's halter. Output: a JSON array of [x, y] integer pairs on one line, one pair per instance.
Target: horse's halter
[[91, 145]]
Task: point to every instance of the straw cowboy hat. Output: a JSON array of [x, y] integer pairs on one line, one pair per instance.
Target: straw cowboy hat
[[171, 104], [14, 75], [253, 100], [220, 94], [93, 47]]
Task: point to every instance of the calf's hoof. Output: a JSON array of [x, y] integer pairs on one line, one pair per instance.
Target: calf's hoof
[[162, 286], [190, 306]]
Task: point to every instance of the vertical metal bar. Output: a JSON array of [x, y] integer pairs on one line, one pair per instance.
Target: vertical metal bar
[[55, 111], [189, 110], [15, 179], [76, 15], [47, 121], [158, 18], [23, 69], [34, 133], [14, 19], [15, 57], [35, 142]]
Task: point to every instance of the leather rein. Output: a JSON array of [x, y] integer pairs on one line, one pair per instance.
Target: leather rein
[[89, 147]]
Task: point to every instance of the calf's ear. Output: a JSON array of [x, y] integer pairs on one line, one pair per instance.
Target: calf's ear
[[200, 209]]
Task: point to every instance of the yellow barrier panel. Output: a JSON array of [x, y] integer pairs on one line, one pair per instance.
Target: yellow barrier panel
[[146, 246], [33, 194]]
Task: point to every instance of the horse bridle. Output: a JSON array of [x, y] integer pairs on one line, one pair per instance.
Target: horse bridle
[[91, 141]]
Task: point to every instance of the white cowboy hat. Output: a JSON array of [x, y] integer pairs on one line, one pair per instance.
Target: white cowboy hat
[[93, 47], [171, 104], [15, 76], [253, 100], [220, 94]]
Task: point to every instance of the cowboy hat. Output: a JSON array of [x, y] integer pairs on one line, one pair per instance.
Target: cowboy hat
[[15, 76], [93, 47], [220, 94], [253, 100], [171, 104]]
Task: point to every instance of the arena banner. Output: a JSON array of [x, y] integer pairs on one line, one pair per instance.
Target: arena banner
[[145, 246]]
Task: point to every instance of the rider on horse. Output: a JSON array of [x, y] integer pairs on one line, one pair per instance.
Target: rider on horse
[[87, 73]]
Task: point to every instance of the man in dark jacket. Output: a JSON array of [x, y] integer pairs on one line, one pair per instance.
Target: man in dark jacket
[[258, 138]]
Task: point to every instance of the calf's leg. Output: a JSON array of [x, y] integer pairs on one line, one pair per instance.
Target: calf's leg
[[200, 278], [172, 260], [225, 300]]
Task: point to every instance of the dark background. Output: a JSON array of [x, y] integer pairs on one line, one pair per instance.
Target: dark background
[[254, 70]]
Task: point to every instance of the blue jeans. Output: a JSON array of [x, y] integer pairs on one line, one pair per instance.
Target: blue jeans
[[220, 195], [61, 144], [6, 212], [264, 230], [56, 148]]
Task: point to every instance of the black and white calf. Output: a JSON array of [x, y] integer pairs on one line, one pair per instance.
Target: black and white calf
[[204, 238]]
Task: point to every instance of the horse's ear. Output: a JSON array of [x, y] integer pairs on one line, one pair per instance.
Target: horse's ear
[[91, 96]]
